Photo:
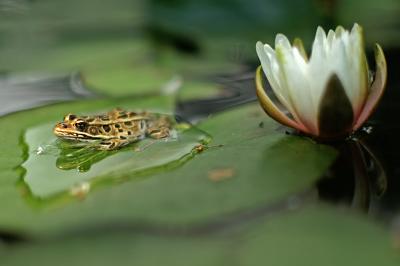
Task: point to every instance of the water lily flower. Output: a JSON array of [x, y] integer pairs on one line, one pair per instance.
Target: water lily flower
[[329, 95]]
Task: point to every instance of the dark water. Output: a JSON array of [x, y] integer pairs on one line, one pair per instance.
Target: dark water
[[384, 142], [236, 90]]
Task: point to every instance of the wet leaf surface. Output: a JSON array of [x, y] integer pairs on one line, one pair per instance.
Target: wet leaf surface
[[314, 235]]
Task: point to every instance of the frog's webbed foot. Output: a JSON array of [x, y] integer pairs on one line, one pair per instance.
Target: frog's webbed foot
[[159, 129], [158, 133]]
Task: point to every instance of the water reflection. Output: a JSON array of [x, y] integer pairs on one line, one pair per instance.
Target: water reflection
[[24, 91], [357, 178], [380, 151], [79, 157], [236, 90]]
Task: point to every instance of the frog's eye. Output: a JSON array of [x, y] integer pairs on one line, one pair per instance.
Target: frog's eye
[[81, 125]]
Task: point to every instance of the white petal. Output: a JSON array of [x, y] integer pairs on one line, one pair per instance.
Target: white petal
[[319, 68], [273, 73], [339, 31], [357, 29], [330, 38], [343, 55], [262, 55], [281, 40], [349, 63], [295, 70], [320, 44], [361, 76], [266, 64]]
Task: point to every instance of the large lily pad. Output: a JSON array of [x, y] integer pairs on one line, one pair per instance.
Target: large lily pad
[[248, 153]]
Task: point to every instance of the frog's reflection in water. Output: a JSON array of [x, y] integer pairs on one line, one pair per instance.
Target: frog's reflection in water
[[80, 157]]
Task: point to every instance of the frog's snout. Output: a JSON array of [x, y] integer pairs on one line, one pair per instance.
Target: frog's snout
[[62, 125], [60, 128]]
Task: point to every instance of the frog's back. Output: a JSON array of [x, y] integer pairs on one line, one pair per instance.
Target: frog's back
[[116, 128]]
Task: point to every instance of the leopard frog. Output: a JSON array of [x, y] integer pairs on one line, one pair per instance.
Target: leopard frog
[[114, 129]]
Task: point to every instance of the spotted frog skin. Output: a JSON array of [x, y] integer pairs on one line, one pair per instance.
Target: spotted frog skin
[[113, 129]]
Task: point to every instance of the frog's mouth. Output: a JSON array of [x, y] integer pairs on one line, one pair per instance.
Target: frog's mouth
[[71, 135], [78, 139]]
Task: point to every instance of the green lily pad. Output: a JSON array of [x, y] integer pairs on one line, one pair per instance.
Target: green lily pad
[[246, 165], [51, 169], [315, 235]]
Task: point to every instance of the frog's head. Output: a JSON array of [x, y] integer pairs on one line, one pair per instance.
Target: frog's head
[[74, 127]]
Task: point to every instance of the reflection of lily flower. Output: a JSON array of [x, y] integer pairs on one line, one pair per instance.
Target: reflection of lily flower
[[328, 95]]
